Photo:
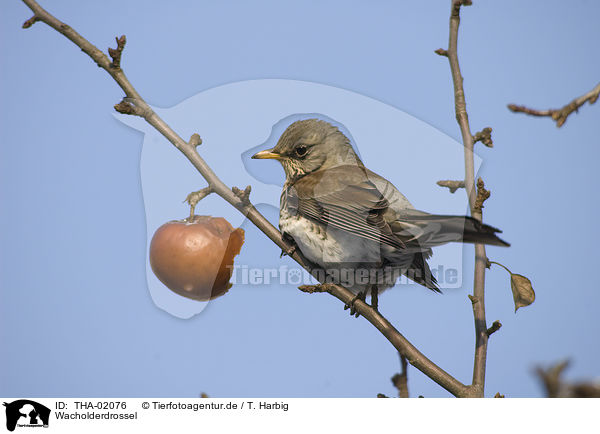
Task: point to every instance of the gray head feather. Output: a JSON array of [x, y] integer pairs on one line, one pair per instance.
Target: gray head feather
[[312, 144]]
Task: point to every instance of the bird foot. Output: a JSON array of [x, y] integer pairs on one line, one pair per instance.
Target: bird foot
[[362, 296], [289, 251], [292, 246]]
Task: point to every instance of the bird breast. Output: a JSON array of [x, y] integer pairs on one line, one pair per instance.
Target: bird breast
[[327, 245]]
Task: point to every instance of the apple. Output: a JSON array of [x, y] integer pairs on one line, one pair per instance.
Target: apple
[[193, 257]]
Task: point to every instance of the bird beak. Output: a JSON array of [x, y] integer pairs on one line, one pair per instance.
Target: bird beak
[[266, 154]]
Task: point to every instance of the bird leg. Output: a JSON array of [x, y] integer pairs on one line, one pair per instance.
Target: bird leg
[[375, 297]]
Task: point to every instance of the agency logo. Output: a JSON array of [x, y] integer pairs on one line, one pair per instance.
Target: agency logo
[[25, 413]]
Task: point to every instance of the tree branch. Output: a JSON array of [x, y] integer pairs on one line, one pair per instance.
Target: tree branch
[[400, 381], [481, 336], [451, 185], [134, 104], [560, 115], [404, 347]]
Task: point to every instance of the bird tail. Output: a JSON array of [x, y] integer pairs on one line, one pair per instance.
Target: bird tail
[[420, 231], [430, 230], [473, 231], [480, 233]]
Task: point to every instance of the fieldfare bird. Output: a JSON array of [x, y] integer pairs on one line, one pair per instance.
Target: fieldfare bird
[[355, 227]]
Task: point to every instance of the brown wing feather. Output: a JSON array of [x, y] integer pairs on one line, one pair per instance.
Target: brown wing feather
[[344, 198]]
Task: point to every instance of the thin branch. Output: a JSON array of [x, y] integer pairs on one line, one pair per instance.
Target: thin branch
[[496, 325], [116, 53], [404, 347], [30, 22], [244, 194], [560, 115], [484, 136], [481, 336], [451, 185], [482, 196], [135, 104], [400, 381], [128, 107], [195, 140], [196, 196]]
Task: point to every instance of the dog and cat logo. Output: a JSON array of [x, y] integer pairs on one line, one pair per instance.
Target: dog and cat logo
[[26, 413]]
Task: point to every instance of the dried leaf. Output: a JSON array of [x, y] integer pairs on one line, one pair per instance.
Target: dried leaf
[[522, 290]]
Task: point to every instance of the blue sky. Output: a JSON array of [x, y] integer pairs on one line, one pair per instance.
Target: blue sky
[[76, 315]]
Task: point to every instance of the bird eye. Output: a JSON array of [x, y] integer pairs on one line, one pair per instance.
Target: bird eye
[[301, 150]]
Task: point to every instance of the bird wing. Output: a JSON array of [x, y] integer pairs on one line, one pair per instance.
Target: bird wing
[[419, 231], [344, 198], [358, 201]]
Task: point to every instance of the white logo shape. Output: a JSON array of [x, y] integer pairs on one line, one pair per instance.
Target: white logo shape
[[238, 119]]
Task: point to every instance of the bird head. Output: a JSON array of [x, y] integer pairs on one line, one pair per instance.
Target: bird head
[[310, 145]]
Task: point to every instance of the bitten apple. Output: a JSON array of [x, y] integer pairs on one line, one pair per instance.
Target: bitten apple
[[194, 257]]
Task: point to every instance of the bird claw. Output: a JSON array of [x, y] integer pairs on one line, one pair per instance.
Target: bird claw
[[289, 251], [362, 296]]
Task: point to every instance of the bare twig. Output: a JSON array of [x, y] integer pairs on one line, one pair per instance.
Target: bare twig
[[244, 194], [482, 196], [135, 104], [478, 299], [312, 289], [400, 381], [560, 115], [484, 136], [115, 54], [196, 196], [494, 328], [128, 107], [404, 347], [30, 22], [451, 185], [195, 140]]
